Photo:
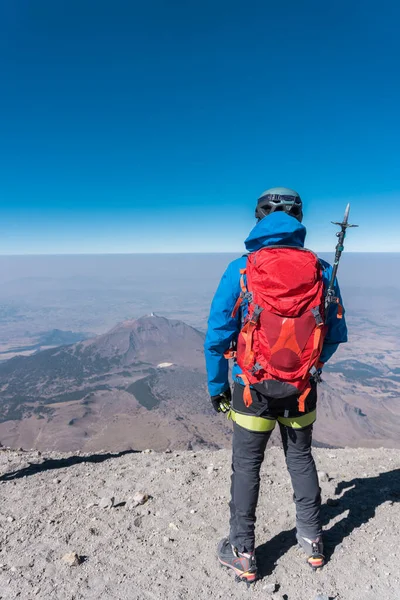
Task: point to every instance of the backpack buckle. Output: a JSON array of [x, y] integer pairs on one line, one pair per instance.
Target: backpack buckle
[[256, 314], [257, 367], [331, 300], [317, 316], [246, 296]]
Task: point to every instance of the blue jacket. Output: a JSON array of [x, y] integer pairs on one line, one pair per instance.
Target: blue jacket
[[277, 228]]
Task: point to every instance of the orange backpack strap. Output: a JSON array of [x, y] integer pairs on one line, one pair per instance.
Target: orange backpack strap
[[242, 293], [248, 331], [248, 400], [231, 353], [316, 351], [318, 340], [303, 398]]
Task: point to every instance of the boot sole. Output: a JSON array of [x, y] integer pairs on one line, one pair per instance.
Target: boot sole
[[316, 563], [240, 575]]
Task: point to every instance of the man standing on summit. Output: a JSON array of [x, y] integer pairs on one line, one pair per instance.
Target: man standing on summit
[[269, 315]]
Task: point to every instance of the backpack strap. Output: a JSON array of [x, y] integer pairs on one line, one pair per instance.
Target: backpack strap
[[230, 353], [303, 397], [317, 348], [247, 399], [242, 293], [248, 331]]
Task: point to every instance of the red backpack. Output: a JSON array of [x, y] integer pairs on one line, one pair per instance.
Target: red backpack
[[281, 340]]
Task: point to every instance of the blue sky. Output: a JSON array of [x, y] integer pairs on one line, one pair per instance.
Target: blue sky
[[153, 127]]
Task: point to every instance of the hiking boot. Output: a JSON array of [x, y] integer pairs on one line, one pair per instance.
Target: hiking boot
[[314, 550], [243, 564]]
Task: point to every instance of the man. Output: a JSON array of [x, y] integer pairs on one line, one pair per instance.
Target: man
[[279, 345]]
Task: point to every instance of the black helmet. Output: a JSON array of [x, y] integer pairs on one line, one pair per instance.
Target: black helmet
[[279, 198]]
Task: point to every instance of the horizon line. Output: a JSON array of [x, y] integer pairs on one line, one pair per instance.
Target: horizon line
[[178, 253]]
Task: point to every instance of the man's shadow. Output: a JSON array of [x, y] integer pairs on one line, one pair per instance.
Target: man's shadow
[[61, 463], [361, 499]]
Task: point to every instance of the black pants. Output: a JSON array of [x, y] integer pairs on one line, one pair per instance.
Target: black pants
[[248, 448]]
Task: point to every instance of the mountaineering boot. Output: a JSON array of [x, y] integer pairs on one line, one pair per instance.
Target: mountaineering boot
[[243, 564], [314, 550]]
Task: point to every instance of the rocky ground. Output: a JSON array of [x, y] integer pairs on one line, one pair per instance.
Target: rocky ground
[[145, 526]]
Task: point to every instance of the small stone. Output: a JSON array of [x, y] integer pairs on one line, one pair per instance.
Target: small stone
[[57, 480], [137, 522], [107, 502], [193, 511], [90, 505], [10, 519], [72, 559], [173, 526], [168, 451], [270, 588], [25, 563], [322, 597], [322, 476], [147, 451], [332, 502], [140, 498]]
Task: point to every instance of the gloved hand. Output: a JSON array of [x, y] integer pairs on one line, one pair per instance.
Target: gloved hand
[[222, 402], [317, 372]]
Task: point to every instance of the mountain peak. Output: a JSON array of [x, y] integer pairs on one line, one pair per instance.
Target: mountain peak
[[153, 339]]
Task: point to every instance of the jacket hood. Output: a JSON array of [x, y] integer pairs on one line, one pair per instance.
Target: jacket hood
[[276, 229]]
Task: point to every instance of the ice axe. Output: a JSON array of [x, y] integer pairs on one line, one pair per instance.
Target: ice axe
[[344, 225]]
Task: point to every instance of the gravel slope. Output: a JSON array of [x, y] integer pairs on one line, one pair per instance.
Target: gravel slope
[[165, 548]]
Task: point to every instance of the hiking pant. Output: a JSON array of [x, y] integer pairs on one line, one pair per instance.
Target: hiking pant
[[248, 448]]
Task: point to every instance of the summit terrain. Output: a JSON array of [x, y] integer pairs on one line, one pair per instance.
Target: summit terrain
[[54, 505]]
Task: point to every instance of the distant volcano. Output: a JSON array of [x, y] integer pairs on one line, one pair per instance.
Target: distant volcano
[[151, 339], [109, 362], [140, 385]]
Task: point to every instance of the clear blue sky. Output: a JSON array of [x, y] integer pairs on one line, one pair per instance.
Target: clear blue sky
[[153, 126]]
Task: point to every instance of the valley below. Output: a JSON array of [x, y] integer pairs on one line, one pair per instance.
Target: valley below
[[143, 385]]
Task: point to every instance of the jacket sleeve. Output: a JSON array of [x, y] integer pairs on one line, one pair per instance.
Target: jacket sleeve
[[222, 329], [337, 328]]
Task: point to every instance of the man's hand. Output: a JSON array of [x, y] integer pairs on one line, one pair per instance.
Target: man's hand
[[316, 373], [222, 402]]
